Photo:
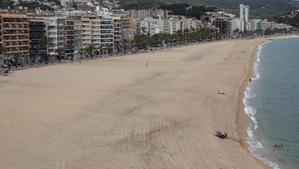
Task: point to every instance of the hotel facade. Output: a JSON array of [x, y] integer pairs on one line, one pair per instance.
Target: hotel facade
[[14, 36]]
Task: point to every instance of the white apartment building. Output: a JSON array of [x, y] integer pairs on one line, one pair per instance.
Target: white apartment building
[[174, 25], [244, 17], [236, 24], [55, 34], [95, 30], [267, 24], [162, 25], [149, 26], [106, 30], [86, 31]]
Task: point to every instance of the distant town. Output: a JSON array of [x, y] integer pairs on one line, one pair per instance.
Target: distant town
[[81, 29]]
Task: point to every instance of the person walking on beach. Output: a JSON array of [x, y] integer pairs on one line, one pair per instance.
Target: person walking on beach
[[9, 65]]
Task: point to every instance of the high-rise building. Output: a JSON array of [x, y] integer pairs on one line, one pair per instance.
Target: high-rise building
[[128, 28], [86, 31], [55, 33], [175, 25], [76, 18], [224, 25], [37, 29], [15, 35], [107, 33], [148, 26], [117, 25], [69, 36], [244, 17], [257, 25], [95, 27]]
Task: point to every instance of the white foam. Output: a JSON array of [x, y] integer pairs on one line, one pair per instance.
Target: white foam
[[255, 146]]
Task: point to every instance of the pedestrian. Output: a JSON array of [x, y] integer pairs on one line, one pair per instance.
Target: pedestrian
[[9, 65]]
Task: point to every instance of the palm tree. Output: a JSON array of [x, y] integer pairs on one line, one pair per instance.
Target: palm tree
[[43, 45], [17, 58], [90, 49], [110, 49], [141, 41], [60, 51], [125, 44], [2, 50], [82, 50]]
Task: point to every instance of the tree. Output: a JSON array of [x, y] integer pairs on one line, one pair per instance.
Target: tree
[[2, 50], [43, 45], [60, 52], [125, 42], [90, 50], [17, 59], [184, 9], [82, 50], [141, 41]]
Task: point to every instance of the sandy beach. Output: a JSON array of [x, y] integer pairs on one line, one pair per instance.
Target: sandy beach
[[121, 113]]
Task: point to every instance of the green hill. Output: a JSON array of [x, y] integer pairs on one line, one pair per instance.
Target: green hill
[[258, 7]]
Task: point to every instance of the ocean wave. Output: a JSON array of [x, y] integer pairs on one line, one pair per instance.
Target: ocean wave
[[255, 146]]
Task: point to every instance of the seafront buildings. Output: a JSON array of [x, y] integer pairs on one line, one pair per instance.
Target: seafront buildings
[[101, 28], [37, 29], [14, 35], [55, 35]]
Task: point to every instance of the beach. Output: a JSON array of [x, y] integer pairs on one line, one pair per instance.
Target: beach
[[143, 111]]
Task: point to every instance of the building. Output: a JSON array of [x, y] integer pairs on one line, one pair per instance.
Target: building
[[55, 33], [244, 17], [76, 18], [86, 31], [224, 26], [37, 32], [95, 31], [69, 36], [117, 25], [268, 25], [174, 25], [257, 25], [141, 14], [107, 33], [148, 26], [15, 35], [282, 26], [236, 24], [128, 28]]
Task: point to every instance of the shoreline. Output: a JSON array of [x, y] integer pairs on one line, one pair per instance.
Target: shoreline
[[242, 118]]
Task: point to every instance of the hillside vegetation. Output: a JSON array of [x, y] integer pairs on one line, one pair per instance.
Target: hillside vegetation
[[290, 18], [258, 7]]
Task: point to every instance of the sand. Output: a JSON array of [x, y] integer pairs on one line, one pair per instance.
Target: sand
[[120, 113]]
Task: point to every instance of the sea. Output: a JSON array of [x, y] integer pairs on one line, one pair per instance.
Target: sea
[[271, 102]]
